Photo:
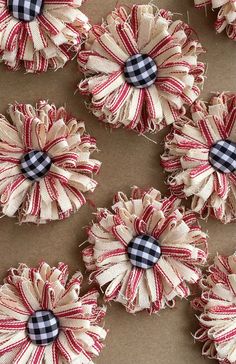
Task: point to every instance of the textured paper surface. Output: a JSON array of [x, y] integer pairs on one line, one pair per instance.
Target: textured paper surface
[[128, 160]]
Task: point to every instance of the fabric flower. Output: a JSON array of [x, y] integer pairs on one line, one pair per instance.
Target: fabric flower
[[141, 68], [201, 157], [43, 319], [218, 311], [40, 34], [226, 18], [45, 163], [147, 251]]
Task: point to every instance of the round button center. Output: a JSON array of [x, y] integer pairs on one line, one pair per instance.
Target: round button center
[[25, 10], [35, 165], [144, 251], [140, 71], [222, 156], [43, 327]]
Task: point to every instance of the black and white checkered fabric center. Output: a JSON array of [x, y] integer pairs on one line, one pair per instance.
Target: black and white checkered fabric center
[[222, 156], [43, 327], [35, 165], [144, 251], [25, 10], [140, 71]]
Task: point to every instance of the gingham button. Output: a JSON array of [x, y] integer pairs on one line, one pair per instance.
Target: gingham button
[[35, 165], [140, 71], [43, 327], [144, 251], [25, 10], [222, 156]]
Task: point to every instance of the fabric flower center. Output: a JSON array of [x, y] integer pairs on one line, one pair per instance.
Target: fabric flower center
[[43, 327], [35, 165], [140, 71], [222, 156], [25, 10], [144, 251]]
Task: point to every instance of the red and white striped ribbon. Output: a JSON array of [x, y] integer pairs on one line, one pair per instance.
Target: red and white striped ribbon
[[48, 41], [183, 246], [173, 47], [216, 305], [186, 157], [63, 138], [27, 290], [226, 17]]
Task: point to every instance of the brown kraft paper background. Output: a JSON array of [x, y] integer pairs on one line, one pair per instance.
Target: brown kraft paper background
[[128, 160]]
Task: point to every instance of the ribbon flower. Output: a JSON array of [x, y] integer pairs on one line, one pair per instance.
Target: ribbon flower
[[45, 163], [40, 34], [141, 68], [217, 319], [226, 18], [43, 320], [201, 157], [146, 252]]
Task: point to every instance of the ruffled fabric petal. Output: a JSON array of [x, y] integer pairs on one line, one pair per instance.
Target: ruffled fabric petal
[[186, 158], [216, 307], [55, 132], [153, 32], [182, 242], [47, 42], [27, 290], [226, 16]]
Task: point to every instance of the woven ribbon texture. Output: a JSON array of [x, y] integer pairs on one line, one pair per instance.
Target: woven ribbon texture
[[180, 239], [145, 30]]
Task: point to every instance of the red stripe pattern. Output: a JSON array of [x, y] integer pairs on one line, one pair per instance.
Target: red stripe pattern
[[226, 16], [182, 242], [217, 309], [47, 42], [25, 290], [60, 192], [186, 158], [172, 45]]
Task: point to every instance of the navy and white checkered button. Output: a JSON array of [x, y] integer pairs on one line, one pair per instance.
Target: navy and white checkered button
[[222, 156], [35, 165], [25, 10], [144, 251], [43, 327], [140, 71]]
